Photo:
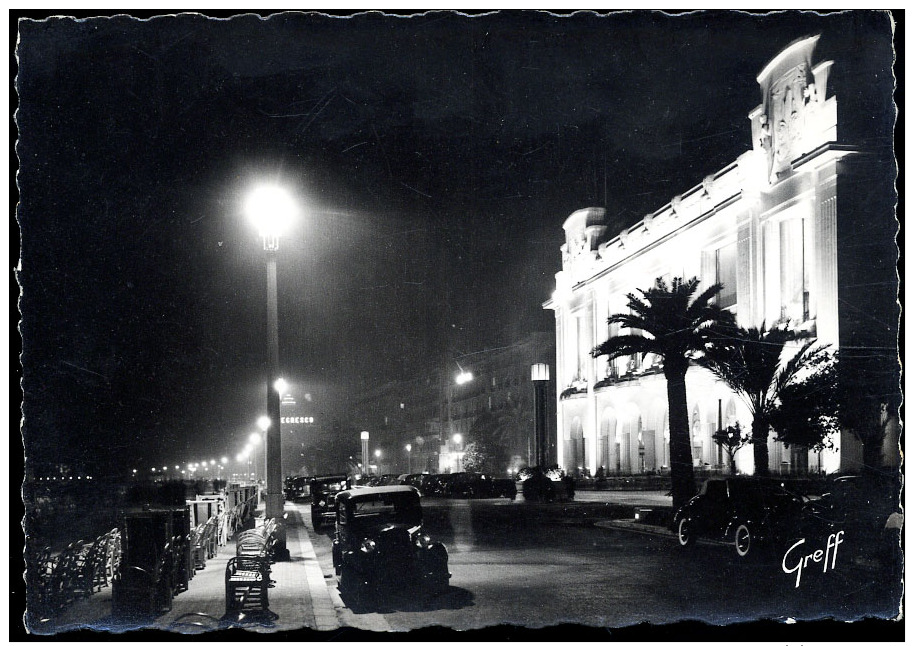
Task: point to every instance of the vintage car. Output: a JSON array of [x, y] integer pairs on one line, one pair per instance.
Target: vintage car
[[295, 488], [748, 513], [479, 485], [323, 498], [866, 507], [380, 543]]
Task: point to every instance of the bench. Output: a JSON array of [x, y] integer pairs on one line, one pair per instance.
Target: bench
[[247, 581]]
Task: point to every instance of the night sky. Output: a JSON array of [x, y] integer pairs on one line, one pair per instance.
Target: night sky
[[435, 159]]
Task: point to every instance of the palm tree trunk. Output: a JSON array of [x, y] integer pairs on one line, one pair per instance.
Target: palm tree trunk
[[681, 472], [760, 446]]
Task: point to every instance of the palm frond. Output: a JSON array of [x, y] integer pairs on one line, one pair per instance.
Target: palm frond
[[624, 345], [807, 358]]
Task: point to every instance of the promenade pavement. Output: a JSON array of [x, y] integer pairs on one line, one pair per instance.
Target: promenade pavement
[[300, 596], [303, 595]]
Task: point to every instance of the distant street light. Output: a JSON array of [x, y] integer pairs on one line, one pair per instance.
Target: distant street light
[[409, 456], [272, 211]]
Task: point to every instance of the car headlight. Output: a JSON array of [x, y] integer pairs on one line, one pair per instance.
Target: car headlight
[[322, 503], [368, 546], [422, 540]]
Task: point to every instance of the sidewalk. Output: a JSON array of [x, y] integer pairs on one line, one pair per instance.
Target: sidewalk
[[299, 598]]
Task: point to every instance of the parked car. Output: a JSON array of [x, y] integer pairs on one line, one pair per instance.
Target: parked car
[[323, 498], [388, 479], [438, 485], [479, 485], [748, 513], [866, 508], [296, 488], [380, 543], [416, 480]]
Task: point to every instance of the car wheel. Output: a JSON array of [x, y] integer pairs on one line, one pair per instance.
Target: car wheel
[[685, 532], [744, 541]]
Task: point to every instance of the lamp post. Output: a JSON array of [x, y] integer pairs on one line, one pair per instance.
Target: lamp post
[[409, 458], [271, 209], [539, 374], [364, 438]]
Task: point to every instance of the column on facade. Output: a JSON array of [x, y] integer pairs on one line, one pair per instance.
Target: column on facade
[[561, 427], [590, 341]]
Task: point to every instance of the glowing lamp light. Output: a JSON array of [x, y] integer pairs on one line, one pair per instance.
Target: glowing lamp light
[[364, 435], [263, 422], [458, 438], [281, 386], [377, 453], [464, 377], [255, 438], [539, 372], [409, 447], [271, 210], [224, 460]]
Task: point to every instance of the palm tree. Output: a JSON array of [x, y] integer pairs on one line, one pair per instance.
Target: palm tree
[[751, 366], [678, 328]]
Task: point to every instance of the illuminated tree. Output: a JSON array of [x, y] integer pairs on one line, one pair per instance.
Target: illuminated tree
[[678, 326], [731, 440], [750, 363]]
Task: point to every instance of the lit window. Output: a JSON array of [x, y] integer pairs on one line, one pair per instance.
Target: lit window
[[787, 254], [725, 270]]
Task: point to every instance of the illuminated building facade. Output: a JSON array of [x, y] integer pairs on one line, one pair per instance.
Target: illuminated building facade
[[799, 229]]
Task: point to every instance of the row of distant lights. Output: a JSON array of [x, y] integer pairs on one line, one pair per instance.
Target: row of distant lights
[[191, 466], [49, 478]]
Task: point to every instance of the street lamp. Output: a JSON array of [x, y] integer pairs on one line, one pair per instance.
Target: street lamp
[[272, 210], [539, 374], [364, 438], [409, 456]]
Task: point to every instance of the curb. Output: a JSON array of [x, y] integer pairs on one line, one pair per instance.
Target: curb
[[635, 527]]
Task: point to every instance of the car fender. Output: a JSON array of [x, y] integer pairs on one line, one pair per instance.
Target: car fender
[[434, 557]]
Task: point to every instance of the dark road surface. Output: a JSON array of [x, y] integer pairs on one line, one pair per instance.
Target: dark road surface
[[512, 565]]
